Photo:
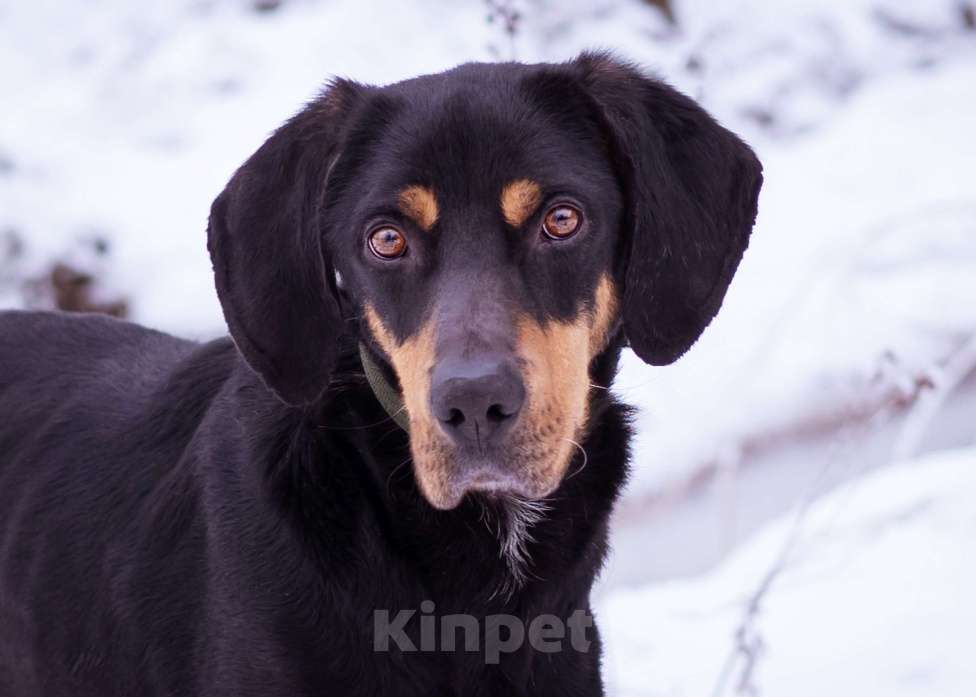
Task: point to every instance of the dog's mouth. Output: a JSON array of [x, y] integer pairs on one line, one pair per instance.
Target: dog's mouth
[[492, 475], [529, 464], [490, 486], [487, 481]]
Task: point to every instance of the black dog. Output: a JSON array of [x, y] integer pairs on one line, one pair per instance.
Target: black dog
[[246, 518]]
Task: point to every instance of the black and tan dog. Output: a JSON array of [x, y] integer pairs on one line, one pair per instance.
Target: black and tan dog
[[242, 517]]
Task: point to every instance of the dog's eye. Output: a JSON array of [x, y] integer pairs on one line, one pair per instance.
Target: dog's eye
[[562, 221], [387, 242]]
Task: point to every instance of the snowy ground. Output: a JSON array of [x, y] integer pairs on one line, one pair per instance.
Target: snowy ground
[[123, 120], [873, 596]]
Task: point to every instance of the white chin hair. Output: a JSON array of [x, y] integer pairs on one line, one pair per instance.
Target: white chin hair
[[511, 519]]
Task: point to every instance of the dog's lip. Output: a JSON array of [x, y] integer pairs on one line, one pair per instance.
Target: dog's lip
[[486, 474], [481, 479], [486, 484], [488, 478]]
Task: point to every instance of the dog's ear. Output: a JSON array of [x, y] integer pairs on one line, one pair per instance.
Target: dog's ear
[[275, 284], [692, 190]]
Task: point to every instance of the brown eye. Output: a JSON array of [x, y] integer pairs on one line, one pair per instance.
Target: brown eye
[[387, 243], [561, 222]]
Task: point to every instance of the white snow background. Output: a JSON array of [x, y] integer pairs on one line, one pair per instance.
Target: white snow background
[[847, 340]]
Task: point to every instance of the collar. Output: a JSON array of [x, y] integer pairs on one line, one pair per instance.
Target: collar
[[386, 393]]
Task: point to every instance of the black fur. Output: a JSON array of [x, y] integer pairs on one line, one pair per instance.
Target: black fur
[[211, 519]]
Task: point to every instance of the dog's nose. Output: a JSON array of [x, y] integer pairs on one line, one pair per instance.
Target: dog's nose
[[476, 401]]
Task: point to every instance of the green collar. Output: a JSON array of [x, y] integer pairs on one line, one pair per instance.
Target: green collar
[[387, 394]]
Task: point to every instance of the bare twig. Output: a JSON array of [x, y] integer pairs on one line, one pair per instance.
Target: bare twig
[[748, 642], [943, 381], [505, 13]]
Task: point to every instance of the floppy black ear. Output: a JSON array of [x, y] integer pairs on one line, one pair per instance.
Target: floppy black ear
[[692, 190], [273, 279]]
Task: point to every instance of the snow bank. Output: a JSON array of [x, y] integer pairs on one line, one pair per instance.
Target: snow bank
[[875, 597]]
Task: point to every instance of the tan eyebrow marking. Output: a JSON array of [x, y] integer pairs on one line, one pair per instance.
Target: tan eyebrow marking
[[419, 204], [519, 200]]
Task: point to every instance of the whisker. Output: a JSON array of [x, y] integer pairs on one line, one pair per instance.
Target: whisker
[[599, 387], [485, 516], [396, 469], [586, 458], [389, 417], [390, 432]]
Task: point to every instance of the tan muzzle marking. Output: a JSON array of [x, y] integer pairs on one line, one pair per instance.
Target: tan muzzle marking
[[413, 361], [555, 357]]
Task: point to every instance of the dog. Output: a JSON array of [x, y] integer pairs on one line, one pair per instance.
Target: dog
[[395, 476]]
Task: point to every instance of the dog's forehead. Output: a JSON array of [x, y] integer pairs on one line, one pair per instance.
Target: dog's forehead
[[470, 132]]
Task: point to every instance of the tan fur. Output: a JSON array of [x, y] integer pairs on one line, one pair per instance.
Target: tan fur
[[519, 200], [556, 356], [558, 383], [604, 313], [413, 361], [420, 205]]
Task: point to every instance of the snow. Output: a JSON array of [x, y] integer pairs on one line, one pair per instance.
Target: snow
[[875, 597]]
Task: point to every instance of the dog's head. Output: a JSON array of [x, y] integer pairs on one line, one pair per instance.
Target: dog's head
[[493, 228]]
